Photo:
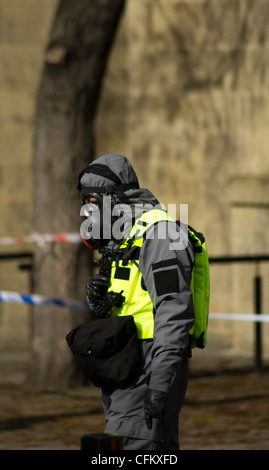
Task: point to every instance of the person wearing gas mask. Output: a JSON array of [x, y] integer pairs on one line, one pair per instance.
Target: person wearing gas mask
[[128, 223]]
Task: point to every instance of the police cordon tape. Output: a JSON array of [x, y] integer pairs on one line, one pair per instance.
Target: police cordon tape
[[258, 317], [42, 239], [35, 299]]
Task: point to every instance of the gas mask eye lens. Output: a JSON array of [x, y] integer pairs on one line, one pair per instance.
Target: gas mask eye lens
[[89, 208], [91, 200]]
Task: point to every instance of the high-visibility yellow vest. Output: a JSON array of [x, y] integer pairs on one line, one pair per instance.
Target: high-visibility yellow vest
[[126, 276]]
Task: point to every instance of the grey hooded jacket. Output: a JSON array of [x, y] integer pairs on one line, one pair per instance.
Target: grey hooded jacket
[[166, 272]]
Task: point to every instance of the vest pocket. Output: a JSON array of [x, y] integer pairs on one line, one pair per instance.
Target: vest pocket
[[122, 273]]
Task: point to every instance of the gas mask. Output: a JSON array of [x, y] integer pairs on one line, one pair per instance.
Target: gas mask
[[102, 206], [97, 228]]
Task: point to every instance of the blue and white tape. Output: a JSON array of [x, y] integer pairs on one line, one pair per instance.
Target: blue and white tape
[[15, 297], [34, 299]]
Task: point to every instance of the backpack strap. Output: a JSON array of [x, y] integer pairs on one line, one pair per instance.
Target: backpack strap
[[197, 239]]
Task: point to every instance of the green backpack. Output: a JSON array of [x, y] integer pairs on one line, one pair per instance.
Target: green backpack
[[200, 287]]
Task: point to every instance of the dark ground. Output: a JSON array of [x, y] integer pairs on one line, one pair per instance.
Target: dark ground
[[226, 407]]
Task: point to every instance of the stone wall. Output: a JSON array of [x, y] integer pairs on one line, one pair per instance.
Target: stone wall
[[24, 26]]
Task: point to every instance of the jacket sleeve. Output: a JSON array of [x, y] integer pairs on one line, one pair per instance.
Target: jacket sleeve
[[166, 272]]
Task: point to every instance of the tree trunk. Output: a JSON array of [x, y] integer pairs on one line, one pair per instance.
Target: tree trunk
[[75, 60]]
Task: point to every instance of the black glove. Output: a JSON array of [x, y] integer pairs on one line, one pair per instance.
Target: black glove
[[96, 287], [154, 405]]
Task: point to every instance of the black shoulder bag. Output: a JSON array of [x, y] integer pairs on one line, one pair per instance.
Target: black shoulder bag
[[107, 350]]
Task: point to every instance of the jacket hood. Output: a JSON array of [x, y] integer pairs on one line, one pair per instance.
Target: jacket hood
[[113, 175], [125, 187]]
